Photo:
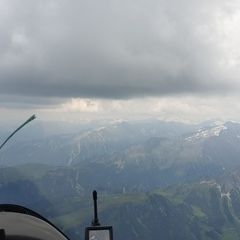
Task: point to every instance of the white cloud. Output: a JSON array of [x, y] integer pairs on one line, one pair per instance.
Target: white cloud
[[80, 105]]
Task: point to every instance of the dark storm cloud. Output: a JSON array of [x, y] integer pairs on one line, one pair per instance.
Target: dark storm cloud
[[113, 49]]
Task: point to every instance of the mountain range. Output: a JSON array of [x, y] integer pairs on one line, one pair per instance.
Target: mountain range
[[157, 179]]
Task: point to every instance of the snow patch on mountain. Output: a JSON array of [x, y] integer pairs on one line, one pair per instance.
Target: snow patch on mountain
[[120, 164], [74, 153], [223, 194], [206, 133]]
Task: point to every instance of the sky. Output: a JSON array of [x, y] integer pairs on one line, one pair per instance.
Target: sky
[[74, 60]]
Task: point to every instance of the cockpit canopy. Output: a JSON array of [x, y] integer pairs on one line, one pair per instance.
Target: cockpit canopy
[[20, 223]]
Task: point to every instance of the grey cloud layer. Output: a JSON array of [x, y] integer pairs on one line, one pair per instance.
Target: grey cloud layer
[[114, 49]]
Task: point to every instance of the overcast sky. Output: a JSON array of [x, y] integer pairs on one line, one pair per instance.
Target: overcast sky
[[80, 59]]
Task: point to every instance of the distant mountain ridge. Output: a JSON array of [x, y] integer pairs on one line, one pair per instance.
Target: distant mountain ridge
[[89, 143]]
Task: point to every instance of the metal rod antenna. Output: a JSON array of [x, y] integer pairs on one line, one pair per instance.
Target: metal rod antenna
[[95, 221], [25, 123]]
